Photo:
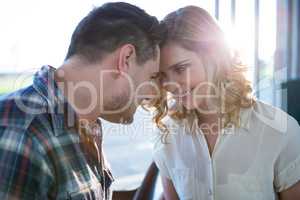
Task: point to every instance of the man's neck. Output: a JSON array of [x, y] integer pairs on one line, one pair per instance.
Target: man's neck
[[70, 78]]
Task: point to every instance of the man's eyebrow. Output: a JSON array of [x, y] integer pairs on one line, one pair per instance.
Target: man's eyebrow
[[177, 64]]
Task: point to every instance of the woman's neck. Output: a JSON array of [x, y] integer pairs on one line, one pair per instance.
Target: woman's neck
[[209, 123]]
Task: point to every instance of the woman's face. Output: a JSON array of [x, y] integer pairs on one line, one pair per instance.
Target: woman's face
[[183, 75]]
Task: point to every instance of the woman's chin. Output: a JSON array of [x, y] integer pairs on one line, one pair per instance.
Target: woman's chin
[[189, 105]]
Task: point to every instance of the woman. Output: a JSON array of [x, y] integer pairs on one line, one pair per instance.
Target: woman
[[218, 141]]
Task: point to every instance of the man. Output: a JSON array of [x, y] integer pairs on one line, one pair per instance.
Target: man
[[50, 135]]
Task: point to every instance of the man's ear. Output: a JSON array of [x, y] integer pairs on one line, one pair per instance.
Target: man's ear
[[127, 57]]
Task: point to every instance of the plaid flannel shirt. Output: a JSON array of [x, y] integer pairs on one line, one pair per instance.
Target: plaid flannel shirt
[[39, 157]]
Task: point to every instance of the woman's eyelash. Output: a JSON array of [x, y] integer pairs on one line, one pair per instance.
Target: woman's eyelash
[[181, 68]]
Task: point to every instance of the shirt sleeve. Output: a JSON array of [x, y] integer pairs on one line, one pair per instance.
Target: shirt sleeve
[[159, 158], [287, 165], [24, 173]]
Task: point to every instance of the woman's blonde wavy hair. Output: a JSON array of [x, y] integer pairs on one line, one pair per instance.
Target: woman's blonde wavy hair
[[194, 29]]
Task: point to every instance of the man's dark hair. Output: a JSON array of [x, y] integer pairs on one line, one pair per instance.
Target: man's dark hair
[[112, 25]]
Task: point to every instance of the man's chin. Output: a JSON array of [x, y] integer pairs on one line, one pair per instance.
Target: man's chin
[[122, 120], [127, 121], [128, 117], [125, 117]]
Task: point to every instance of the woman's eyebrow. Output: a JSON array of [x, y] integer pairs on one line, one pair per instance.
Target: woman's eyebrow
[[177, 64]]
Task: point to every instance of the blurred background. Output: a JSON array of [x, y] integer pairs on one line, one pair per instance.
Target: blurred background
[[266, 33]]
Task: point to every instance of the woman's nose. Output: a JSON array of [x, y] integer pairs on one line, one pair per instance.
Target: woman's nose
[[165, 82], [171, 86], [170, 83]]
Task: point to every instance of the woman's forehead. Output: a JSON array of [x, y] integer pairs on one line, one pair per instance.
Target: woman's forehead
[[174, 53]]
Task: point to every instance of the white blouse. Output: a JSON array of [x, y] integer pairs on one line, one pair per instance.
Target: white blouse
[[255, 161]]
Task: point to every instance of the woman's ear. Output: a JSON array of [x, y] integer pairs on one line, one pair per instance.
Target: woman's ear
[[127, 57]]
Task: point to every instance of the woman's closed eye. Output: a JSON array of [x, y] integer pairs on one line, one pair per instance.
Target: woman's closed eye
[[181, 68]]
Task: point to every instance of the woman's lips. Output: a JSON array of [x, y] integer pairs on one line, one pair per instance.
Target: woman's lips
[[184, 94]]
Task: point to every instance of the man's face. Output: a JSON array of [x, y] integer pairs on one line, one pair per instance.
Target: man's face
[[144, 85], [137, 85]]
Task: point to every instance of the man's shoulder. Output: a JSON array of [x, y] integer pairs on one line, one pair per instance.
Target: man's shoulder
[[20, 148], [18, 109]]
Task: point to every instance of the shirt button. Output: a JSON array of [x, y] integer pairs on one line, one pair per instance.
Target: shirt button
[[210, 193]]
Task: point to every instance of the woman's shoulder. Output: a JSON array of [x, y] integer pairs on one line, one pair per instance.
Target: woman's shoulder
[[274, 118]]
